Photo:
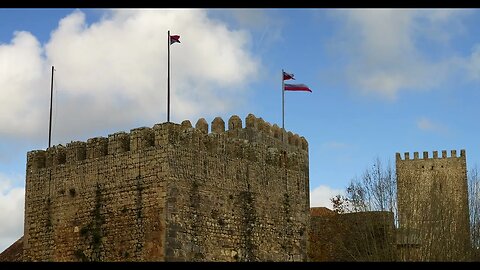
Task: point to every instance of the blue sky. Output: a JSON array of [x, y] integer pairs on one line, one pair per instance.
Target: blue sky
[[383, 81]]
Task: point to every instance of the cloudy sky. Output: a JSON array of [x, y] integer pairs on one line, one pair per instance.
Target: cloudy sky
[[383, 81]]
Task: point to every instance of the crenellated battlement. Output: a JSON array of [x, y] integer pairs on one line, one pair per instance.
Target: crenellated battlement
[[171, 192], [184, 134], [453, 154]]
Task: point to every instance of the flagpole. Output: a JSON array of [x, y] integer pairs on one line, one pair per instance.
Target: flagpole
[[50, 121], [168, 79], [283, 101]]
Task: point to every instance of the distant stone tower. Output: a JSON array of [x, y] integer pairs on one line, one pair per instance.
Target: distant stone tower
[[433, 207], [171, 193]]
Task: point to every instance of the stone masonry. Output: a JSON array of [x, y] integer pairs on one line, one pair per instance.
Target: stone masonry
[[433, 207], [171, 193], [351, 237]]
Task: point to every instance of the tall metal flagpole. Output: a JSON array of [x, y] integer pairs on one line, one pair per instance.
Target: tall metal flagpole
[[50, 122], [283, 102], [168, 79]]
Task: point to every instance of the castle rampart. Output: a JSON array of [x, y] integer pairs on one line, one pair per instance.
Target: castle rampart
[[351, 237], [171, 192]]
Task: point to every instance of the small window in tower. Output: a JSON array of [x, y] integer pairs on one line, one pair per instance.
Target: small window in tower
[[432, 167], [72, 192]]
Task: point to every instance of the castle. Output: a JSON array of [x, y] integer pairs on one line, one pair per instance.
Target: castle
[[175, 192], [171, 193]]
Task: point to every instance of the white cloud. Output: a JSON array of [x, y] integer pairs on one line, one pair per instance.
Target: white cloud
[[320, 196], [260, 20], [21, 83], [472, 64], [425, 124], [266, 23], [112, 74], [250, 17], [12, 201], [384, 52]]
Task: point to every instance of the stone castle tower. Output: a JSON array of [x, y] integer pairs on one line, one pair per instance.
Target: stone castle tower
[[433, 207], [171, 193]]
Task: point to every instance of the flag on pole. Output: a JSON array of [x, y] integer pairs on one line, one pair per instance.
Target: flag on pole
[[174, 39], [170, 40], [297, 87], [288, 76], [290, 87]]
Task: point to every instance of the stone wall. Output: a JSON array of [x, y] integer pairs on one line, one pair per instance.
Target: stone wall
[[84, 202], [171, 193], [433, 206], [352, 237]]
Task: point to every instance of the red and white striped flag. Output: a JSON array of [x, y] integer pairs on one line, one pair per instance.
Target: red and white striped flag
[[297, 87], [290, 87]]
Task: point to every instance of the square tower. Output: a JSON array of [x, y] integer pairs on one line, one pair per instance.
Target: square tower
[[433, 207], [171, 193]]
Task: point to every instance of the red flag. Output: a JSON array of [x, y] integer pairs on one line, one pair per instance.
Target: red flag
[[174, 39], [297, 87], [288, 76]]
